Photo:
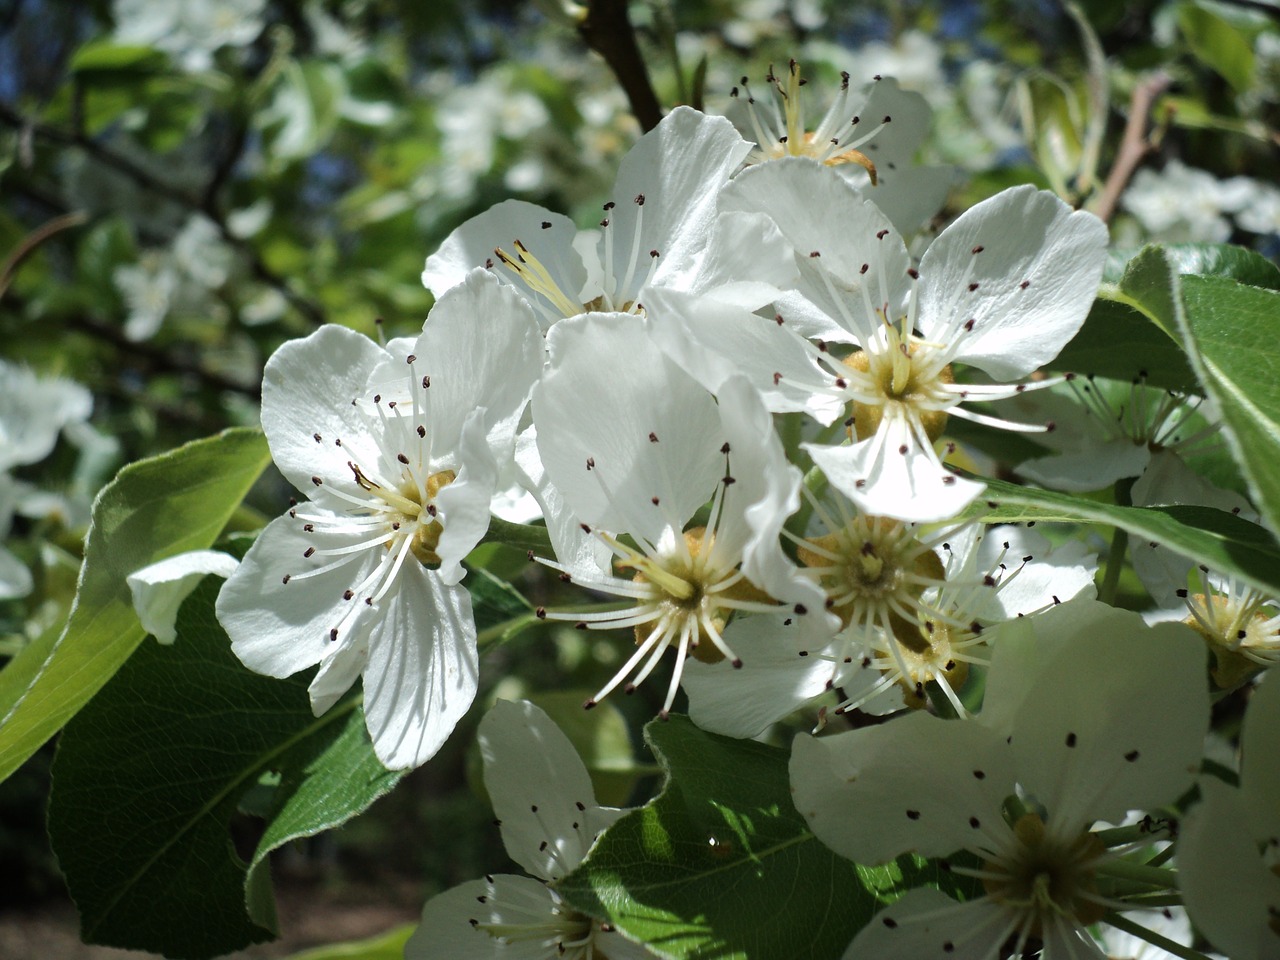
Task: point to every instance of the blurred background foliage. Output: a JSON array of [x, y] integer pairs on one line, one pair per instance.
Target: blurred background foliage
[[185, 184]]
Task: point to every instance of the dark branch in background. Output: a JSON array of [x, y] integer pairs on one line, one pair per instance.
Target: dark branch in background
[[607, 30], [145, 179], [1134, 146], [158, 360]]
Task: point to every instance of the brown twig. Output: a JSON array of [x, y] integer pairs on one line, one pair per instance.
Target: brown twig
[[32, 240], [607, 30], [148, 181], [1134, 145]]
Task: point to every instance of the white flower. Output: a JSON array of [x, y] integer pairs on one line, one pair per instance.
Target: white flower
[[915, 605], [1179, 204], [33, 410], [637, 447], [1002, 289], [1089, 723], [660, 230], [870, 137], [1228, 843], [159, 588], [189, 30], [546, 807], [398, 454], [1105, 430], [15, 578]]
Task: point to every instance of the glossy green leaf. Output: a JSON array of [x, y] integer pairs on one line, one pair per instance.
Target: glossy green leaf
[[149, 775], [1206, 259], [1220, 540], [153, 509], [1119, 342], [1233, 335], [721, 865]]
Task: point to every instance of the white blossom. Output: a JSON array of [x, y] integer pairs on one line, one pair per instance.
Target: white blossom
[[546, 808], [1094, 716], [397, 450]]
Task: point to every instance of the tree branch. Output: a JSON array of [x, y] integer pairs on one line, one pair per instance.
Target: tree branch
[[607, 30], [148, 181], [1134, 146]]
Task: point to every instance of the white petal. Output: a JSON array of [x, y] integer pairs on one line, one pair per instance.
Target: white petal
[[580, 552], [679, 166], [1126, 732], [540, 790], [1231, 895], [929, 786], [449, 930], [765, 492], [908, 195], [472, 245], [926, 924], [714, 340], [773, 682], [481, 347], [307, 389], [1051, 577], [747, 262], [884, 481], [1260, 768], [15, 578], [159, 589], [1099, 465], [422, 670], [278, 628], [343, 663], [1025, 235], [619, 424], [464, 504], [818, 212]]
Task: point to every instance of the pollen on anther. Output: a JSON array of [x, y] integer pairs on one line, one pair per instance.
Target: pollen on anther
[[333, 634], [653, 437], [317, 437], [402, 458], [411, 358], [347, 594], [546, 224]]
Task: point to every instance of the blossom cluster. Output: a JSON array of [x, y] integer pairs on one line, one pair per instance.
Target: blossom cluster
[[730, 406]]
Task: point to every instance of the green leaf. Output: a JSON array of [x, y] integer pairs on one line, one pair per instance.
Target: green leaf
[[1232, 333], [1206, 259], [1118, 341], [1218, 43], [383, 946], [721, 864], [1220, 540], [153, 509], [105, 57], [148, 776]]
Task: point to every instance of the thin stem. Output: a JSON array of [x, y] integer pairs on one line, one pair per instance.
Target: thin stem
[[1119, 546], [607, 30], [1121, 922], [1140, 872]]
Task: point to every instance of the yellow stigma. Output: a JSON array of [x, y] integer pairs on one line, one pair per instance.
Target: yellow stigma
[[903, 374], [686, 588]]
